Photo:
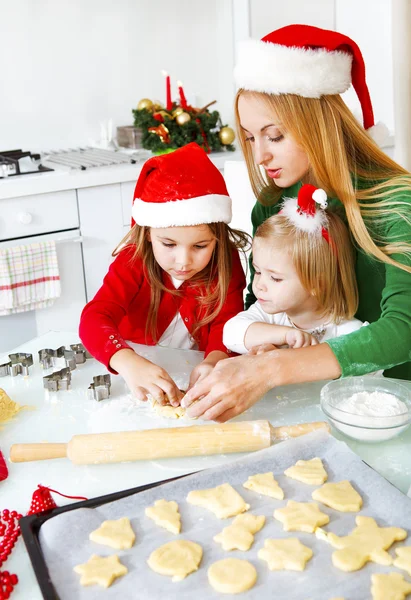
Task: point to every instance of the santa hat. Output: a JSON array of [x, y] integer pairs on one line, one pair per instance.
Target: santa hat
[[42, 500], [306, 61], [181, 188], [307, 211]]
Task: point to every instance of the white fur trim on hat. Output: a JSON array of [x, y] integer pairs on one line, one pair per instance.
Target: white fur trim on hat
[[212, 208], [308, 223], [278, 69], [379, 133]]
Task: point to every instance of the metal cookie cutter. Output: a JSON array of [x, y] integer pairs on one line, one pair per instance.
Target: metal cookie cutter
[[80, 353], [60, 380], [18, 365], [100, 388], [57, 358]]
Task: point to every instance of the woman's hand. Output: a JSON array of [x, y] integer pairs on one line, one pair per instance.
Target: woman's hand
[[295, 338], [144, 377], [203, 369], [262, 348]]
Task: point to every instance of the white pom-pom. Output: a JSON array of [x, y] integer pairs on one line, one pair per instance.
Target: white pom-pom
[[379, 133], [320, 197]]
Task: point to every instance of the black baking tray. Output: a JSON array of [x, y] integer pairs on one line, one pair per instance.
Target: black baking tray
[[30, 528]]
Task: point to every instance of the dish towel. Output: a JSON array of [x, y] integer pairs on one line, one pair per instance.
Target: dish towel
[[29, 277]]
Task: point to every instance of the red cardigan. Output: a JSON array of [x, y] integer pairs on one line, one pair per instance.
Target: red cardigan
[[119, 310]]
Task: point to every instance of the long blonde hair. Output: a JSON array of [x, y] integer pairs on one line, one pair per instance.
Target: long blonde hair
[[215, 277], [346, 163], [325, 270]]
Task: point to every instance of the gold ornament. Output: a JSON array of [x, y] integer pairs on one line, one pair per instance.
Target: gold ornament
[[158, 106], [177, 111], [183, 118], [145, 103], [226, 135]]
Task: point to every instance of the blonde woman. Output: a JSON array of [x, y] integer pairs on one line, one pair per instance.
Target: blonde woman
[[294, 128]]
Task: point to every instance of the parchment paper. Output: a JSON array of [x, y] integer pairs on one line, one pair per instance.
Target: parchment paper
[[65, 543]]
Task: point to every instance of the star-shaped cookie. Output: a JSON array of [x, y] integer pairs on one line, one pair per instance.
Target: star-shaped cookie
[[239, 535], [116, 534], [265, 484], [289, 554], [403, 560], [391, 586], [367, 542], [340, 496], [101, 570], [222, 500], [308, 471], [166, 515], [301, 516]]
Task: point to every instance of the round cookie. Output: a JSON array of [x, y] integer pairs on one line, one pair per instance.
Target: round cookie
[[232, 575]]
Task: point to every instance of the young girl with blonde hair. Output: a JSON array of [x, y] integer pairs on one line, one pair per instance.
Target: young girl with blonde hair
[[294, 128], [177, 277]]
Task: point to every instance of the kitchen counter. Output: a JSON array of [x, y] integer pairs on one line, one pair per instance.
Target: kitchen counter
[[56, 417]]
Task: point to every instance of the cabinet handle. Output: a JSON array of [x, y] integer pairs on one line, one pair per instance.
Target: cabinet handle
[[25, 218]]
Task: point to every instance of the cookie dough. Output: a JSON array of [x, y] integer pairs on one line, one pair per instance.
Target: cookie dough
[[166, 515], [367, 542], [289, 554], [308, 471], [389, 587], [168, 411], [178, 559], [239, 535], [339, 496], [301, 516], [232, 575], [116, 534], [8, 408], [222, 500], [101, 570], [403, 560], [265, 484]]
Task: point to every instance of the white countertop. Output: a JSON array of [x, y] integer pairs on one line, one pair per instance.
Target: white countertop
[[58, 416]]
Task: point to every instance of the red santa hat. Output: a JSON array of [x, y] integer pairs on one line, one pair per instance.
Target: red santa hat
[[307, 211], [309, 62], [181, 188]]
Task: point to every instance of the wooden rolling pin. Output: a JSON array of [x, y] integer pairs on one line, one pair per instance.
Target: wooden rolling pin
[[150, 444]]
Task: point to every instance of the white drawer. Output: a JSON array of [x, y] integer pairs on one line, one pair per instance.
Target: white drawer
[[127, 194], [42, 213]]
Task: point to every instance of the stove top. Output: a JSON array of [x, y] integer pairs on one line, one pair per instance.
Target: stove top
[[18, 162]]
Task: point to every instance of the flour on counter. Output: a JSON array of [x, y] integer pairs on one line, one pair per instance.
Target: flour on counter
[[373, 404]]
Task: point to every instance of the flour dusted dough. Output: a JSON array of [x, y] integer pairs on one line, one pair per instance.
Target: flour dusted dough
[[166, 515], [168, 411], [222, 500], [308, 471], [232, 575], [116, 534], [101, 570], [339, 496], [389, 587], [403, 560], [265, 484], [178, 559], [8, 408], [239, 535], [301, 516], [288, 553]]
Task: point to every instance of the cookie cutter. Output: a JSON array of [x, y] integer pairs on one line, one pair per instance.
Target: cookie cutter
[[18, 365], [59, 380], [63, 357], [100, 388], [81, 354]]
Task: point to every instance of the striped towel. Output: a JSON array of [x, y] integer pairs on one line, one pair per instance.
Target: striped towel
[[29, 277]]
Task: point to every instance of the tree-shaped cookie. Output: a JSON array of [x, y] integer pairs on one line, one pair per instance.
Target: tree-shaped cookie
[[391, 586], [340, 496], [240, 534], [403, 560], [116, 534], [165, 514], [301, 516], [308, 471], [265, 484], [289, 554], [101, 570], [222, 500], [367, 542]]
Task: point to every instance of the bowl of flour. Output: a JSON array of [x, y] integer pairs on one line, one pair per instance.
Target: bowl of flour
[[369, 409]]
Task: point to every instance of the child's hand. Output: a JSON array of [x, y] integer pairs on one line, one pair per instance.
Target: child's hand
[[144, 377], [295, 338], [199, 372]]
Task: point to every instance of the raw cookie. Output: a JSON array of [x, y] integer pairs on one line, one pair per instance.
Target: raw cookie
[[168, 411], [265, 484], [367, 542], [239, 535], [301, 516], [8, 408], [340, 496], [116, 534], [178, 558], [232, 575], [391, 586], [403, 560], [165, 514], [289, 554], [308, 471], [102, 570], [222, 500]]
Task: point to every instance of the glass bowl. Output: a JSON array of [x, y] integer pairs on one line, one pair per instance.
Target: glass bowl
[[364, 427]]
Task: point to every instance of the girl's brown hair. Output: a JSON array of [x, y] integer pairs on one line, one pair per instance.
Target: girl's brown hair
[[215, 277], [346, 163], [326, 270]]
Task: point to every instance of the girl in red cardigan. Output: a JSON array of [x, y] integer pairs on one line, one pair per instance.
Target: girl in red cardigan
[[177, 277]]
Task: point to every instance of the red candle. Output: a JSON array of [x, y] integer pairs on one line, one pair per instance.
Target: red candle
[[169, 104], [183, 100]]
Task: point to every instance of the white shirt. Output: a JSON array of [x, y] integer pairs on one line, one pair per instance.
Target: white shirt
[[177, 335]]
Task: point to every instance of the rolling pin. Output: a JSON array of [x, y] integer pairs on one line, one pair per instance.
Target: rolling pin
[[151, 444]]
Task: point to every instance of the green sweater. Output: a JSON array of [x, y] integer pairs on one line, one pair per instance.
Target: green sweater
[[384, 301]]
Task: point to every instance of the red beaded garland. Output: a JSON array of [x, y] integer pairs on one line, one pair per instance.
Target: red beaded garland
[[9, 532]]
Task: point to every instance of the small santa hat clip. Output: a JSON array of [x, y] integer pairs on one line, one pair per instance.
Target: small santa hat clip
[[307, 211], [42, 500]]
